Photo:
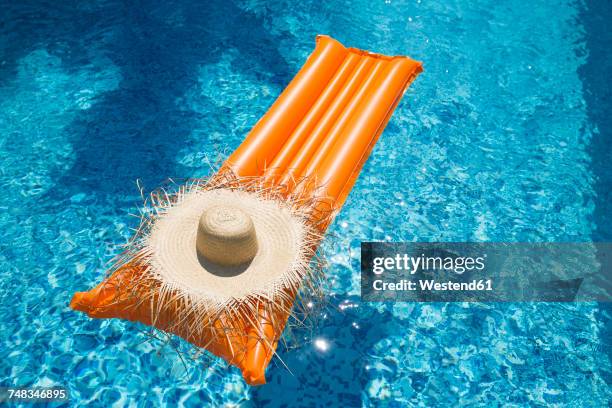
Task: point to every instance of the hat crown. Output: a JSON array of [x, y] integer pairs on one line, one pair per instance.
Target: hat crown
[[226, 236]]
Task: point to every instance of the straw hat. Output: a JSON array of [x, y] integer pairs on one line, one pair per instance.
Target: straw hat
[[225, 244]]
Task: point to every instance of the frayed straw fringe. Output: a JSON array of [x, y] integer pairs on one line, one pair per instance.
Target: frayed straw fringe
[[194, 317]]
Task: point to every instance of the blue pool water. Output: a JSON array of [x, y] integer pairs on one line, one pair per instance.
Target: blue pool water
[[505, 137]]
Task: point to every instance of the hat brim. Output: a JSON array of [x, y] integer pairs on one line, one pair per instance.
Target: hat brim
[[281, 235]]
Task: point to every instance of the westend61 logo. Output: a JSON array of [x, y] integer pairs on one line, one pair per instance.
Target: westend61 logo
[[486, 272], [412, 264]]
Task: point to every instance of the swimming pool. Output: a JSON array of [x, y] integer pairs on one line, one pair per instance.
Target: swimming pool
[[505, 137]]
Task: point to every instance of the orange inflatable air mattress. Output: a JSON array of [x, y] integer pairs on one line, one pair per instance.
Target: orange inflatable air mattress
[[322, 127]]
